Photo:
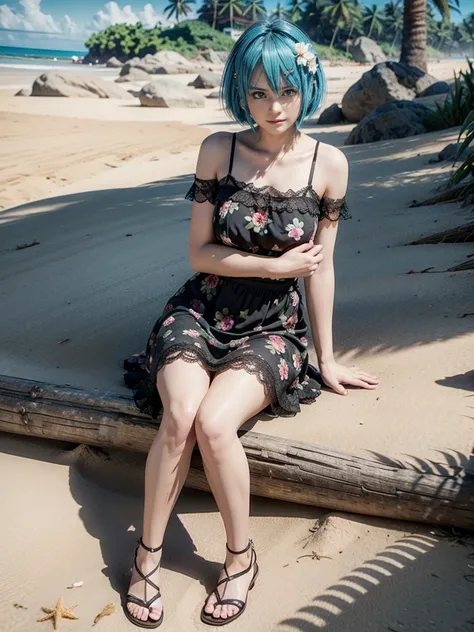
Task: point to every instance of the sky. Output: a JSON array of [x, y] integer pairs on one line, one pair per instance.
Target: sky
[[65, 25]]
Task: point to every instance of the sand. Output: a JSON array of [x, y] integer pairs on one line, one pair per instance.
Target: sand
[[112, 248]]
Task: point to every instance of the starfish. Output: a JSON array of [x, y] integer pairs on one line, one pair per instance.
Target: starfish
[[58, 613]]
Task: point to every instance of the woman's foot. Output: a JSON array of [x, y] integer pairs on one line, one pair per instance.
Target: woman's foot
[[146, 562], [235, 588]]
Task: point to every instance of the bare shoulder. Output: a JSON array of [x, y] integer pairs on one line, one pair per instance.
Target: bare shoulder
[[332, 173], [214, 155]]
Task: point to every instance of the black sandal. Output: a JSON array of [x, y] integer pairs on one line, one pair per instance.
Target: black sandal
[[207, 617], [148, 623]]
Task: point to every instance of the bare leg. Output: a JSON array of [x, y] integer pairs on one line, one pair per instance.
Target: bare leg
[[234, 397], [182, 387]]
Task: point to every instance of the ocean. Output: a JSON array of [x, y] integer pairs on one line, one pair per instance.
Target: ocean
[[36, 58]]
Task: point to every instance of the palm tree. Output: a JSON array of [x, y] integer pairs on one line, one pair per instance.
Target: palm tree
[[415, 31], [178, 8], [295, 10], [375, 18], [256, 7], [340, 14], [231, 6], [394, 18], [279, 11]]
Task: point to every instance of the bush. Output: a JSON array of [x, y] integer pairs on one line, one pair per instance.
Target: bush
[[467, 167], [198, 34], [458, 104], [331, 54]]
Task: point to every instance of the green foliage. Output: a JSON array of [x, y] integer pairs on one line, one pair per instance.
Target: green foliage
[[130, 40], [458, 104], [199, 34], [467, 167], [331, 54]]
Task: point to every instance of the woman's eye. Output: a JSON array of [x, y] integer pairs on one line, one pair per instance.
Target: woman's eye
[[290, 92], [258, 95]]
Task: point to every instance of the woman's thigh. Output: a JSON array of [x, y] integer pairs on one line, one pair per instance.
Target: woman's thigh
[[182, 387], [233, 397]]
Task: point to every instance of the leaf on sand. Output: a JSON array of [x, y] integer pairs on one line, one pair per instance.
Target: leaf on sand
[[76, 585], [106, 611]]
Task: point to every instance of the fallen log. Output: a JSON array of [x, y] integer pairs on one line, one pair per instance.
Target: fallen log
[[280, 468], [460, 234]]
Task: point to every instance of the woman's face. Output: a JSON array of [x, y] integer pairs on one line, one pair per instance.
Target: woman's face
[[275, 113]]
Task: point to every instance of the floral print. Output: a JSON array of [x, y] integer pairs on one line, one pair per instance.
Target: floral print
[[258, 221], [209, 285], [283, 369], [295, 229], [275, 345], [227, 209], [169, 321], [197, 306], [192, 333], [225, 321]]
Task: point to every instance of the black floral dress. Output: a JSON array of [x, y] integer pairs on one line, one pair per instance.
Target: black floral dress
[[253, 324]]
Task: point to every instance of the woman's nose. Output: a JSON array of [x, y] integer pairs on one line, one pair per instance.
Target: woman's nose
[[275, 105]]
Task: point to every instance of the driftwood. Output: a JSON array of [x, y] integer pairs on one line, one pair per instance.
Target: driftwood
[[465, 265], [460, 234], [450, 195], [280, 468]]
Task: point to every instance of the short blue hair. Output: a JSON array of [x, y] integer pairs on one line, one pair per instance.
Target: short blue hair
[[270, 43]]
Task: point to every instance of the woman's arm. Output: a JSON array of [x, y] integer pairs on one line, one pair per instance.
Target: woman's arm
[[205, 255], [320, 286]]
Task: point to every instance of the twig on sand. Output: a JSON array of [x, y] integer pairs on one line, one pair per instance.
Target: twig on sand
[[23, 246], [314, 555]]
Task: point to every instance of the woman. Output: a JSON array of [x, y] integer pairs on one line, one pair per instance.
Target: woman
[[231, 342]]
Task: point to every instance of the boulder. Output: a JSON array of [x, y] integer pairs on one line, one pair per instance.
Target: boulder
[[133, 74], [396, 119], [24, 92], [170, 58], [450, 152], [215, 94], [365, 51], [206, 79], [55, 84], [218, 58], [432, 101], [387, 81], [331, 115], [168, 93], [113, 62], [439, 87]]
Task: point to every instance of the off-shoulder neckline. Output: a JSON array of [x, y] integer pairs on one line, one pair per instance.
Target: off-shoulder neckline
[[268, 189]]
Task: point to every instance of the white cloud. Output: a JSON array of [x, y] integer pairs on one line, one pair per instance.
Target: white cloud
[[31, 18], [113, 14]]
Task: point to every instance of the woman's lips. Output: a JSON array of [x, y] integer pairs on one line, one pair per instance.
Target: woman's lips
[[277, 121]]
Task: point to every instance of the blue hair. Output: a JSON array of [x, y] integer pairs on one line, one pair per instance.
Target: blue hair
[[270, 43]]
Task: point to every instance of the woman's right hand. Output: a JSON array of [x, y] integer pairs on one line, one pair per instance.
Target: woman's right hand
[[300, 262]]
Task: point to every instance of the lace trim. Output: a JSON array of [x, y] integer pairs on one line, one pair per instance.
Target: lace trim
[[304, 200], [203, 190], [284, 404]]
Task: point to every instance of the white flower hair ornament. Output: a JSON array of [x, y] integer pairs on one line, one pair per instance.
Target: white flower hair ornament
[[306, 57]]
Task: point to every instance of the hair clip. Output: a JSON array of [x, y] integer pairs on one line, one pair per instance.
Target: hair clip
[[288, 72], [235, 75], [305, 57]]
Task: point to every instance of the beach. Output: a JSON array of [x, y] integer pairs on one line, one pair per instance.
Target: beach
[[100, 185]]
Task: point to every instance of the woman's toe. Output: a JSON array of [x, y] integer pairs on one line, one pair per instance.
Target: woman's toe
[[155, 613], [217, 612]]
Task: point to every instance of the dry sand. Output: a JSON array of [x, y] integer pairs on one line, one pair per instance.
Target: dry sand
[[112, 248]]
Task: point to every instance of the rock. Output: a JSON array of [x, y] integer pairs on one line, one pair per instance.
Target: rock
[[366, 51], [133, 74], [206, 79], [432, 100], [113, 62], [168, 93], [450, 152], [215, 94], [331, 115], [217, 58], [388, 81], [55, 84], [24, 92], [396, 119], [439, 87], [170, 58]]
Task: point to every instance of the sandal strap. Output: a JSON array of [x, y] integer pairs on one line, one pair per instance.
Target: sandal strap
[[242, 551], [141, 602], [148, 548], [232, 602], [226, 580], [146, 577]]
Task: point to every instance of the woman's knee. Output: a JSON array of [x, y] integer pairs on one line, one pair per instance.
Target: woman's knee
[[178, 421], [212, 428]]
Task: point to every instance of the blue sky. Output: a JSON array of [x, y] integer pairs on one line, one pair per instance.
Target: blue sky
[[66, 25]]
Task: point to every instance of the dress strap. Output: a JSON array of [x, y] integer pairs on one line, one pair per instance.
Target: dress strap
[[231, 161], [311, 173]]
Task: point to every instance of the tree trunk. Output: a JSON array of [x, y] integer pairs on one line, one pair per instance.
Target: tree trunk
[[414, 34], [214, 17], [370, 29], [334, 36], [436, 493]]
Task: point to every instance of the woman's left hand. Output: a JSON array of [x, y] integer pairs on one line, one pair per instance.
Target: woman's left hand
[[335, 375]]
